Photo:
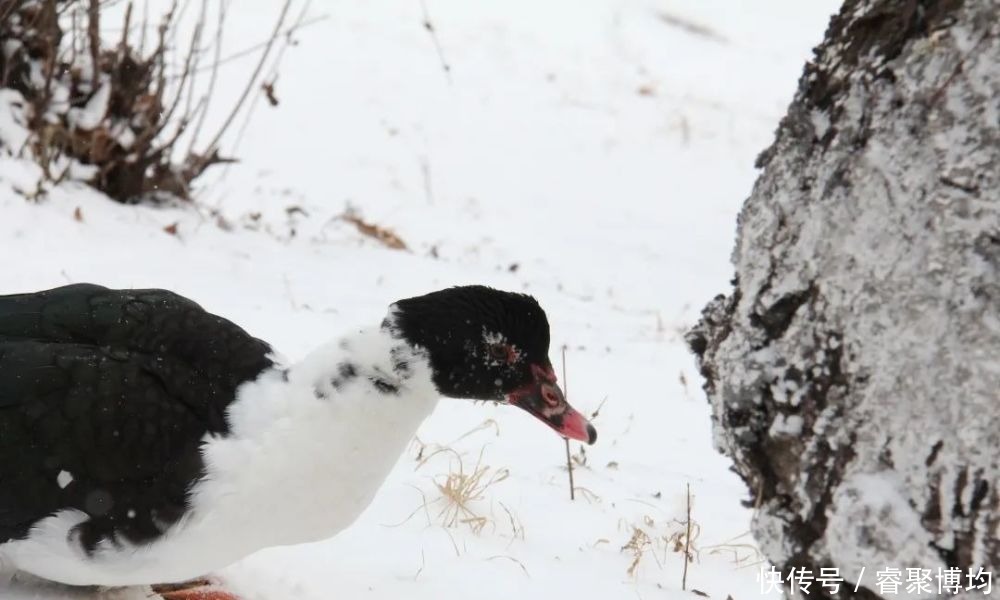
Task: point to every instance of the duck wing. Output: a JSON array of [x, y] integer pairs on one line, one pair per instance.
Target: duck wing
[[105, 397]]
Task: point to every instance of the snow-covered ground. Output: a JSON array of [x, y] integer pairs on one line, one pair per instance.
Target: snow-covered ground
[[594, 154]]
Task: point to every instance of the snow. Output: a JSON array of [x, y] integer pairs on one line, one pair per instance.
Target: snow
[[12, 120], [91, 115], [592, 154], [64, 478], [878, 501], [820, 121], [790, 425]]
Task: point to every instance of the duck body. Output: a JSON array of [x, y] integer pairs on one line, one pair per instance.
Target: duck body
[[294, 456], [144, 440]]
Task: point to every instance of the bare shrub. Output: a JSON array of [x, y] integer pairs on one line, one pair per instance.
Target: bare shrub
[[111, 112]]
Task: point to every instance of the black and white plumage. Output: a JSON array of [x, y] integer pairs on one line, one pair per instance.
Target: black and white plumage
[[145, 440]]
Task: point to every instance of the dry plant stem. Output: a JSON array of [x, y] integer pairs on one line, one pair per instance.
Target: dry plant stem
[[180, 17], [6, 10], [251, 49], [142, 30], [461, 488], [513, 560], [569, 460], [49, 71], [123, 44], [212, 78], [437, 43], [190, 109], [189, 61], [384, 236], [487, 424], [145, 138], [569, 468], [637, 545], [734, 546], [687, 540], [74, 27], [423, 562], [273, 75], [94, 38], [212, 146], [425, 168]]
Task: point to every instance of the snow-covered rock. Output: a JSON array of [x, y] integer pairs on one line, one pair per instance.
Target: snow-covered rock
[[867, 302]]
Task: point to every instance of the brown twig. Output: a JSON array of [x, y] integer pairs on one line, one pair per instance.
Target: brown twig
[[597, 411], [145, 138], [200, 162], [212, 78], [8, 10], [691, 27], [145, 26], [273, 75], [687, 540], [429, 26], [569, 458], [513, 560], [383, 235], [189, 60], [190, 108], [51, 65], [123, 44], [94, 38], [251, 49]]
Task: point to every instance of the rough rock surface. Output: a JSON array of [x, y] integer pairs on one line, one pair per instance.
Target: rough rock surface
[[854, 370]]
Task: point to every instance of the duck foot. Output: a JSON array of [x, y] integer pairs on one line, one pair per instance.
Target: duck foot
[[198, 589]]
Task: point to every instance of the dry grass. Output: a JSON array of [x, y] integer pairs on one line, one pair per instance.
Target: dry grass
[[740, 549], [513, 560], [383, 235], [463, 495], [655, 540], [638, 545], [649, 538], [462, 489]]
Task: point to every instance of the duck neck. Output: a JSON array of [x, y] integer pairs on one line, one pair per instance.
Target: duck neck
[[323, 434], [349, 374], [370, 362]]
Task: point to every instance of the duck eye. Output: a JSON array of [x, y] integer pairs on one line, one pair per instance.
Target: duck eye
[[501, 352], [550, 396]]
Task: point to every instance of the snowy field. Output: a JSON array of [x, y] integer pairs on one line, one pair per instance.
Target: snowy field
[[593, 154]]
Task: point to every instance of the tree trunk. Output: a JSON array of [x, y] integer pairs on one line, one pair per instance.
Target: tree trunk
[[854, 371]]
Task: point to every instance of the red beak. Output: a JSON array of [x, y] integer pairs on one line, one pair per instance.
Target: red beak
[[543, 399]]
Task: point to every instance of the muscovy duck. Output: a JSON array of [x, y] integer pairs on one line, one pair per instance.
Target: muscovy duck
[[144, 440]]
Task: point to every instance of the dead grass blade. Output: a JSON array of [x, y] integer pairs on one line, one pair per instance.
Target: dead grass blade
[[487, 424], [513, 560], [637, 545], [382, 235], [461, 488]]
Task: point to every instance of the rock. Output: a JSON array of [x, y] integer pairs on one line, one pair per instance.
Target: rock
[[854, 370]]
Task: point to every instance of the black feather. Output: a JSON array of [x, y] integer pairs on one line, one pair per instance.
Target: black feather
[[117, 388], [451, 325]]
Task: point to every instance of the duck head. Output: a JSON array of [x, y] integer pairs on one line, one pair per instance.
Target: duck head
[[487, 344]]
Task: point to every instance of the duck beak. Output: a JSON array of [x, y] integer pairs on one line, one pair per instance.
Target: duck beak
[[543, 399]]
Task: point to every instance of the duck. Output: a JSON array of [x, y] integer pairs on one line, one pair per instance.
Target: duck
[[147, 441]]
